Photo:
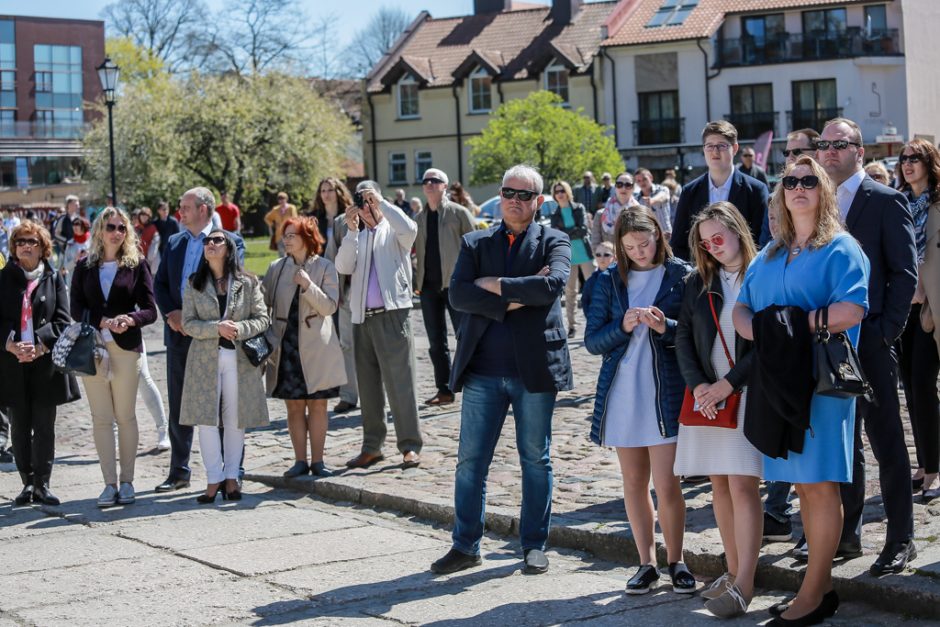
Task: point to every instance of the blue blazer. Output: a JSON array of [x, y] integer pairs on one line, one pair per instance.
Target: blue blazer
[[169, 279], [747, 194], [540, 341]]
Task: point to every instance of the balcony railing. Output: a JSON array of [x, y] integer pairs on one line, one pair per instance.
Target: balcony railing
[[658, 131], [751, 125], [811, 118], [43, 130], [792, 47]]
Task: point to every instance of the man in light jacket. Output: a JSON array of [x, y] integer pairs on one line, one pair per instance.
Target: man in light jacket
[[376, 253]]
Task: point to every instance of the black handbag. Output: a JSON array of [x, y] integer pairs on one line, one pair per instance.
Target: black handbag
[[257, 349], [74, 351], [838, 369]]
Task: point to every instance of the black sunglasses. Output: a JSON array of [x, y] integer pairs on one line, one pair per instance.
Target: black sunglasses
[[599, 255], [621, 184], [27, 242], [431, 180], [111, 228], [838, 144], [796, 152], [509, 193], [909, 159], [806, 182], [558, 191], [214, 239]]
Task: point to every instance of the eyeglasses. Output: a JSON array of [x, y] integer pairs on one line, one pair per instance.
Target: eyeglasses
[[509, 193], [215, 240], [431, 180], [558, 191], [838, 144], [290, 235], [912, 159], [715, 240], [717, 147], [623, 184], [27, 242], [796, 152], [111, 228], [747, 155], [600, 255], [806, 182]]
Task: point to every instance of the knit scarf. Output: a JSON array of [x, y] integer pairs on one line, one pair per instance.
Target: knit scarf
[[80, 239]]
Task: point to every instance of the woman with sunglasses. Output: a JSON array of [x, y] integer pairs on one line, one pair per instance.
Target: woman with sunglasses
[[632, 322], [113, 290], [34, 310], [813, 263], [605, 221], [722, 248], [222, 307], [571, 218], [919, 363], [603, 257]]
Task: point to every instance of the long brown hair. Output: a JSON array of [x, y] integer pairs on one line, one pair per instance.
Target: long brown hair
[[929, 154], [638, 219], [343, 197], [728, 215], [828, 218]]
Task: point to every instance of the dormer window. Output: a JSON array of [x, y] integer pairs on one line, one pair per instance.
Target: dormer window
[[408, 98], [556, 81], [481, 91], [672, 13]]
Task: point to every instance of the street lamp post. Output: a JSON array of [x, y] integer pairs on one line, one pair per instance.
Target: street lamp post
[[108, 74]]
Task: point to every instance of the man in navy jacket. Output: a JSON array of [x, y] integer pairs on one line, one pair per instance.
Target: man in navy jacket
[[180, 259], [511, 350]]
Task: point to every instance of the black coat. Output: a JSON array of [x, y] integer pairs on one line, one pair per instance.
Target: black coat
[[21, 383], [695, 336]]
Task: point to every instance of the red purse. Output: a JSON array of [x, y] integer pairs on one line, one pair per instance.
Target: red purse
[[727, 416]]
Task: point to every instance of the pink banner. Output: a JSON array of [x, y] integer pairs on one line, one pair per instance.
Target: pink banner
[[762, 149]]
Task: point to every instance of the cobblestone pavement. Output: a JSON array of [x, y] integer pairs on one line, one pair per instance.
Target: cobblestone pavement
[[587, 494]]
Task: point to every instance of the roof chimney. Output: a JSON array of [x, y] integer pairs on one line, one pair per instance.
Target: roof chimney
[[491, 6], [564, 11]]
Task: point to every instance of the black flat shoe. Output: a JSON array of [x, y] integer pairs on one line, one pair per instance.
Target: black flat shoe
[[318, 469], [682, 580], [455, 561], [826, 609], [830, 600], [25, 496], [536, 562], [42, 494], [343, 406], [299, 469], [894, 558], [645, 579], [171, 484], [205, 498], [917, 484]]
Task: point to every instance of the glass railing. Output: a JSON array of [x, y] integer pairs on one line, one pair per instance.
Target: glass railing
[[793, 47], [36, 129]]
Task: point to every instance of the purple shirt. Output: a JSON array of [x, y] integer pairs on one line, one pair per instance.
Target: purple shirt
[[374, 298]]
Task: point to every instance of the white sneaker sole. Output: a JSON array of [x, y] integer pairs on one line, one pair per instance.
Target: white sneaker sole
[[640, 591]]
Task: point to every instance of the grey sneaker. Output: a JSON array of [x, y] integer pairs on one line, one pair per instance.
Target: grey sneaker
[[109, 497], [729, 604], [126, 494], [718, 587]]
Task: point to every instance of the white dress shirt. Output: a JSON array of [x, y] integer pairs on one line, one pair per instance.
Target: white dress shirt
[[845, 193], [717, 194]]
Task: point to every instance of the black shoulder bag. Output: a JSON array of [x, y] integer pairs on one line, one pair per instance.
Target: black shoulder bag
[[838, 368]]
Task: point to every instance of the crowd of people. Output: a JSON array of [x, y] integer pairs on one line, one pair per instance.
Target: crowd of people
[[709, 302]]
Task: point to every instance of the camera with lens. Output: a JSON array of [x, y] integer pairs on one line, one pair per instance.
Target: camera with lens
[[359, 201]]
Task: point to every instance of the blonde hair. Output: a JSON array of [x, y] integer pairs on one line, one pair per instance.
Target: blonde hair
[[128, 256], [727, 215], [565, 186], [828, 218]]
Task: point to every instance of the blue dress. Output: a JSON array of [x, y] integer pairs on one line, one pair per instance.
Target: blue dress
[[837, 272]]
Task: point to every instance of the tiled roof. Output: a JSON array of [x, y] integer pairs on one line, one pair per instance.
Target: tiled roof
[[518, 43], [703, 21]]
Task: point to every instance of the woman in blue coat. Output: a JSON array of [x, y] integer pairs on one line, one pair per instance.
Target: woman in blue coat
[[632, 322]]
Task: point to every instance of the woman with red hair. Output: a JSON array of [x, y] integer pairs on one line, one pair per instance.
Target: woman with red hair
[[306, 368]]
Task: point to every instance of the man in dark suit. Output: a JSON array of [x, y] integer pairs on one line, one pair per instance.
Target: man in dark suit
[[880, 219], [722, 182], [750, 168], [180, 259], [511, 350]]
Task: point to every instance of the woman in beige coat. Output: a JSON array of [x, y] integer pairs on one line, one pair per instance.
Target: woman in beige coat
[[306, 368], [222, 306]]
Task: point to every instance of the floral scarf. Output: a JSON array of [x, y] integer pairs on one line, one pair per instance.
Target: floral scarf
[[920, 209]]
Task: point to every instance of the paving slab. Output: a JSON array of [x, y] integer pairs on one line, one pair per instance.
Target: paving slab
[[66, 549]]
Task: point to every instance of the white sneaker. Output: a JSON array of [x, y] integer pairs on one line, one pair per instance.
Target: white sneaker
[[109, 497], [126, 494], [163, 440]]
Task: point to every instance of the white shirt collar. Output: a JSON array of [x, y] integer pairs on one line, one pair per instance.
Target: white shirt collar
[[725, 187], [845, 193]]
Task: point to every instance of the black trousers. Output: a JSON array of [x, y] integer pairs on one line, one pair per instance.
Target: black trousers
[[920, 364], [181, 436], [434, 304], [882, 421], [4, 428], [33, 425]]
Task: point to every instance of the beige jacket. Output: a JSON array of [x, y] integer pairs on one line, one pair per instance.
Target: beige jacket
[[928, 277], [320, 356], [201, 321], [453, 222]]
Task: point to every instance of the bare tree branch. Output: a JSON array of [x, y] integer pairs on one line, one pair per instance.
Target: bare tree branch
[[376, 38], [161, 26]]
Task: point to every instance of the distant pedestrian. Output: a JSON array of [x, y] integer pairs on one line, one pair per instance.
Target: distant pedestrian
[[166, 225], [747, 166], [148, 237], [229, 213], [572, 219], [460, 195], [275, 219], [402, 203], [603, 193], [878, 172], [587, 192], [603, 257], [654, 196], [604, 223], [77, 247]]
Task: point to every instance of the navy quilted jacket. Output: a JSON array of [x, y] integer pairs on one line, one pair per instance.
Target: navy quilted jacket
[[604, 335]]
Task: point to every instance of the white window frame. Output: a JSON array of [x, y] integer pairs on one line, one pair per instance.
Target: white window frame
[[473, 80], [558, 68], [423, 161], [396, 159], [408, 82]]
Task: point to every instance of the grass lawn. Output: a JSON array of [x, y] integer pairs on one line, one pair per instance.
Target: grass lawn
[[257, 255]]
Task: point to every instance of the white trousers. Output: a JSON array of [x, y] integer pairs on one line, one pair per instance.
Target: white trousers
[[210, 443]]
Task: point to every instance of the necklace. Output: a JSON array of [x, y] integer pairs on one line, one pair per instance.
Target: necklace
[[796, 250], [728, 275]]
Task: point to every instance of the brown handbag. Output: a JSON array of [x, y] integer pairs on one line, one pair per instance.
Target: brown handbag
[[727, 416]]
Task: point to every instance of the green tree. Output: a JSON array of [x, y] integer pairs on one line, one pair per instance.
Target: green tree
[[136, 62], [250, 135], [536, 130]]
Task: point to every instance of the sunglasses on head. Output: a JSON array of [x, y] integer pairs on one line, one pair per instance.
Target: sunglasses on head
[[622, 184], [599, 255], [509, 193], [431, 180], [806, 182], [796, 152], [838, 144], [715, 240], [111, 228], [217, 240], [27, 242], [910, 159]]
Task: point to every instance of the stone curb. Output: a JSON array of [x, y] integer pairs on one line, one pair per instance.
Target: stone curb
[[905, 595]]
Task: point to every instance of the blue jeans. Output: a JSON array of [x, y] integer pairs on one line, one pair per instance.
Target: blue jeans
[[777, 503], [485, 403]]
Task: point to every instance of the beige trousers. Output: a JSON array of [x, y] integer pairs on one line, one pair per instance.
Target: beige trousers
[[571, 289], [114, 402]]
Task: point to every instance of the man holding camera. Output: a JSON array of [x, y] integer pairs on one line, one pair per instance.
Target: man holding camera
[[376, 253]]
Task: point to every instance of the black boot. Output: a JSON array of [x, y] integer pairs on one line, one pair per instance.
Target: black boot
[[25, 496], [42, 493]]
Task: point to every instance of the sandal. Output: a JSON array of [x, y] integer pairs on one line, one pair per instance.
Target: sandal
[[682, 580], [645, 579]]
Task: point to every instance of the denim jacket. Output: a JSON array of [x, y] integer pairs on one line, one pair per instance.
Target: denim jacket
[[605, 335]]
